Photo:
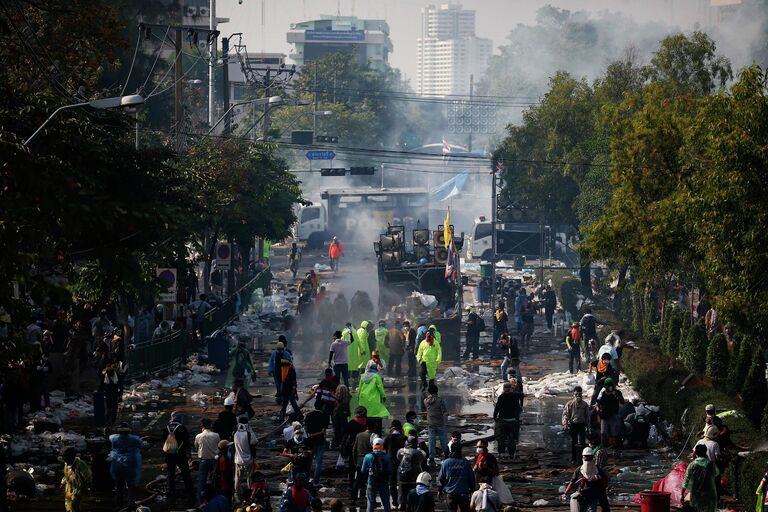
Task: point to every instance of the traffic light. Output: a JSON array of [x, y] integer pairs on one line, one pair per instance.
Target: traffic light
[[362, 171], [335, 171], [331, 139]]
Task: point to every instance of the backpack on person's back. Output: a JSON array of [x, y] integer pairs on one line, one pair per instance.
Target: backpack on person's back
[[171, 445]]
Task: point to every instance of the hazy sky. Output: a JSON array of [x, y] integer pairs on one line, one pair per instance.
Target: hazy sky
[[494, 18]]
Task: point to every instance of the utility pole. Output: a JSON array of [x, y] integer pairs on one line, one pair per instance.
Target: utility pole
[[314, 98], [211, 64], [382, 176], [471, 107], [179, 84], [225, 88], [493, 236]]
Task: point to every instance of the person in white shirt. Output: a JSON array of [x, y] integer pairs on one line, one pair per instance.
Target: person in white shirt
[[207, 445], [339, 354], [244, 441], [485, 499], [710, 441]]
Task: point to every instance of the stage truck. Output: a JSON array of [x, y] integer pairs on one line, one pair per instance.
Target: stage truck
[[356, 214], [417, 260]]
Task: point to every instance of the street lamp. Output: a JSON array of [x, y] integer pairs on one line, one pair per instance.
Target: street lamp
[[272, 100], [130, 103]]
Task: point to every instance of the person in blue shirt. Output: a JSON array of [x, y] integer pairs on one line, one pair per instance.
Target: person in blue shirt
[[215, 502], [125, 468], [378, 466], [273, 368], [456, 480]]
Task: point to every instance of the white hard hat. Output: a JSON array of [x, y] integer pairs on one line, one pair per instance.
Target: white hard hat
[[587, 451], [230, 400], [424, 478]]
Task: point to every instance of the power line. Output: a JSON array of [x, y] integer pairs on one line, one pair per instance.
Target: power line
[[133, 62], [157, 57], [191, 67]]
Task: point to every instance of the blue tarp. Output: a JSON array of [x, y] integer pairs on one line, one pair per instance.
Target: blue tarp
[[450, 188]]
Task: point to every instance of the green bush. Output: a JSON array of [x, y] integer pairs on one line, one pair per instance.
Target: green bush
[[637, 310], [741, 358], [673, 325], [717, 358], [764, 421], [695, 349], [753, 394], [685, 328]]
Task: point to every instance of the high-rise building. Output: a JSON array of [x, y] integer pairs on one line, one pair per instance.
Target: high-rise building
[[367, 39], [448, 51]]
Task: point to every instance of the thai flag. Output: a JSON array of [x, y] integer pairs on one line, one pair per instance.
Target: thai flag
[[446, 147], [499, 167]]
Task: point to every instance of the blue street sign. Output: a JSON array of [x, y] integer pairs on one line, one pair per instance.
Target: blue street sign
[[321, 155]]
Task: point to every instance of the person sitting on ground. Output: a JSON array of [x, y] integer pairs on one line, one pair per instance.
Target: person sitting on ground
[[486, 467]]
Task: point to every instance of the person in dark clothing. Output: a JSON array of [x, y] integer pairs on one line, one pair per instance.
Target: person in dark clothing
[[410, 348], [500, 318], [354, 427], [473, 334], [178, 457], [506, 417], [588, 325], [456, 480], [608, 403], [420, 499], [315, 424], [486, 467], [603, 371], [393, 442], [590, 482], [226, 423], [325, 396], [243, 400], [223, 474], [550, 304], [289, 394]]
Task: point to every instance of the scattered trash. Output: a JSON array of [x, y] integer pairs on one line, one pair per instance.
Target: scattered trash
[[540, 503], [320, 267]]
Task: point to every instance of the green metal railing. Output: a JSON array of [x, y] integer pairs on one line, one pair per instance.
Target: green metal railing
[[168, 353]]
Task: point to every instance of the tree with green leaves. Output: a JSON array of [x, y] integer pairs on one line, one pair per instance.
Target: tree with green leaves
[[753, 395], [695, 349], [741, 357], [717, 358]]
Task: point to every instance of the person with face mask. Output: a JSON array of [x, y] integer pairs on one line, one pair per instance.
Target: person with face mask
[[429, 356], [381, 334], [420, 499], [590, 484], [486, 467], [575, 419], [371, 395], [380, 362], [363, 354], [608, 402], [77, 479], [396, 343], [295, 449]]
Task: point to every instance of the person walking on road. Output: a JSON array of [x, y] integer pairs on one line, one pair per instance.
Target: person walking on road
[[420, 498], [437, 417], [550, 304], [456, 480], [207, 445], [396, 341], [76, 481], [575, 420], [573, 346], [474, 327], [485, 499], [126, 464], [486, 467], [245, 442], [393, 443], [274, 368], [335, 253], [429, 356], [339, 356], [176, 448], [294, 258], [378, 466], [590, 483], [506, 418], [500, 319], [608, 403], [371, 396], [290, 390], [411, 461], [410, 348]]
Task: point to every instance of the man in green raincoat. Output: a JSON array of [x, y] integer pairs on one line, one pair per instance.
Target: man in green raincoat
[[438, 338], [240, 366], [371, 396], [429, 357], [77, 479], [382, 340], [363, 354], [699, 486]]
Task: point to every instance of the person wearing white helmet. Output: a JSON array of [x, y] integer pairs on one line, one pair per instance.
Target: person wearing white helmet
[[421, 499], [590, 484], [378, 466], [226, 423]]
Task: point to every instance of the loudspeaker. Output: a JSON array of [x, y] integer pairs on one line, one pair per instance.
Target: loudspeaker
[[390, 242], [420, 237], [438, 238], [421, 251], [377, 247], [441, 255]]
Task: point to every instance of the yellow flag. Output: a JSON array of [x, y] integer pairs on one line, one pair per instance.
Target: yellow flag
[[447, 229]]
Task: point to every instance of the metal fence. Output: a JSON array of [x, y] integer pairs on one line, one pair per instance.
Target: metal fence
[[170, 352]]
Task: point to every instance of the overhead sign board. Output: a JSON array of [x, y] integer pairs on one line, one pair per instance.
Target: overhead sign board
[[167, 278], [223, 255], [321, 155], [334, 35]]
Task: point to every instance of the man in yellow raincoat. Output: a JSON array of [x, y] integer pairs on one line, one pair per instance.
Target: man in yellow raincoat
[[382, 342], [429, 357], [77, 479], [371, 395], [363, 353]]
